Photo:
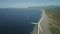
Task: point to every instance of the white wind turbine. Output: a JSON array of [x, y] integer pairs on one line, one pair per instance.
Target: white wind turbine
[[39, 26]]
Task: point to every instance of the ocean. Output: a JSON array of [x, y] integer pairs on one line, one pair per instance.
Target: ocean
[[18, 20]]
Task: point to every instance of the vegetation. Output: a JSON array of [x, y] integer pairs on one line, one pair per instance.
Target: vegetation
[[54, 20]]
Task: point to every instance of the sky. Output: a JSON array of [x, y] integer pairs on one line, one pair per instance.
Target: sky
[[27, 3]]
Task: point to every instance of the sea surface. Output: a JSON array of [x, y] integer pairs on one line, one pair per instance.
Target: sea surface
[[18, 20]]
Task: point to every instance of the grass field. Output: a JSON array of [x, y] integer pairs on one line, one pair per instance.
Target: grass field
[[54, 20]]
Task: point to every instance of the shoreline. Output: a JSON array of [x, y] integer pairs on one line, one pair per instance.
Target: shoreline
[[44, 25], [36, 26]]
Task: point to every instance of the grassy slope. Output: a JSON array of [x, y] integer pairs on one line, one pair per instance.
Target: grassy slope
[[54, 20]]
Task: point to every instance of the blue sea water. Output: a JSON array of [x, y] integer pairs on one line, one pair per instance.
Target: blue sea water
[[18, 20]]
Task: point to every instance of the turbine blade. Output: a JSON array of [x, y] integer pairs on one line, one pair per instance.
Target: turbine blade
[[34, 23], [40, 28]]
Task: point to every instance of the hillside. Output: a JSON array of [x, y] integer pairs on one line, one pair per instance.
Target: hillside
[[54, 20], [51, 22]]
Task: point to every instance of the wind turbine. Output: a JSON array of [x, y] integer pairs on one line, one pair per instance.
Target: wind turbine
[[39, 26]]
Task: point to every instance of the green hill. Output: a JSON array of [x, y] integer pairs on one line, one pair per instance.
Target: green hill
[[54, 20], [51, 22]]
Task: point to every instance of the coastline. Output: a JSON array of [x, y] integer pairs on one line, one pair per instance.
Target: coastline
[[44, 26], [35, 29]]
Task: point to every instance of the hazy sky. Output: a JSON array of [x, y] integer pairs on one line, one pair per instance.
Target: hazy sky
[[27, 3]]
